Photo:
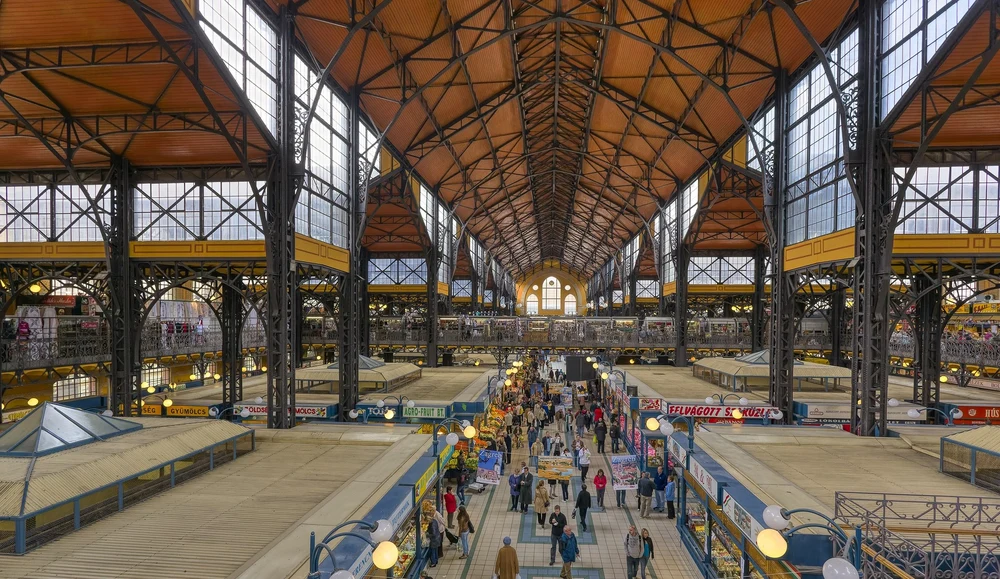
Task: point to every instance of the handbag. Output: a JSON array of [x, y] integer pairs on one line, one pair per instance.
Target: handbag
[[573, 515], [472, 529]]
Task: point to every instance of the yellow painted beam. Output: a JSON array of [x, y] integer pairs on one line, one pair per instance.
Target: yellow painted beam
[[836, 246], [946, 244], [53, 251], [198, 250], [414, 288], [309, 250]]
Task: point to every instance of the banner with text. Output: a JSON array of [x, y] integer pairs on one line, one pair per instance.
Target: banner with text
[[625, 472]]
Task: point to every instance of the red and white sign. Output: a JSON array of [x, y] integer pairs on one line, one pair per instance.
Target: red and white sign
[[978, 414], [300, 411], [649, 404], [59, 300], [716, 411]]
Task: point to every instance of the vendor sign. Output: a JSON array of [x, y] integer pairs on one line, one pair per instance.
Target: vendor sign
[[625, 472], [978, 414], [842, 411], [300, 411], [741, 517], [488, 471], [189, 411], [718, 411], [649, 404], [151, 409], [425, 412], [984, 383], [555, 467]]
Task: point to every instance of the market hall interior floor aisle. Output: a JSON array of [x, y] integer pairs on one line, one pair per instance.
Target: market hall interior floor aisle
[[601, 548]]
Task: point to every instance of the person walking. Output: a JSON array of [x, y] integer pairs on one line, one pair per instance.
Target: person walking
[[506, 566], [660, 482], [514, 480], [532, 435], [564, 483], [581, 422], [601, 434], [527, 480], [557, 520], [444, 531], [633, 552], [670, 491], [557, 445], [620, 499], [508, 442], [546, 443], [569, 550], [502, 447], [450, 506], [582, 506], [646, 488], [464, 528], [601, 484], [541, 503], [433, 540], [584, 462], [615, 432], [536, 449], [647, 553]]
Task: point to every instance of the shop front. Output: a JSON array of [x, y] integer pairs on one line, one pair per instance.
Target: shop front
[[409, 506], [715, 523]]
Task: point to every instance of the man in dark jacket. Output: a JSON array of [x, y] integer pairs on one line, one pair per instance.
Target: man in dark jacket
[[615, 432], [582, 506], [646, 488], [558, 522], [660, 480], [601, 433], [526, 487], [569, 550]]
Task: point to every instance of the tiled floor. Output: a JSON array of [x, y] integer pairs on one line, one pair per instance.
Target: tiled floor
[[601, 548]]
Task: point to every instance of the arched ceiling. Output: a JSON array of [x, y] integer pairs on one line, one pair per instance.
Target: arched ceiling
[[556, 128]]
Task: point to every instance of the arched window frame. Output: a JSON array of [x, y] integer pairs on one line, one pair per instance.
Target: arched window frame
[[531, 305], [567, 310], [551, 294]]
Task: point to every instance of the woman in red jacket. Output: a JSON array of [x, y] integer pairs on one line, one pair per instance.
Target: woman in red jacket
[[600, 483]]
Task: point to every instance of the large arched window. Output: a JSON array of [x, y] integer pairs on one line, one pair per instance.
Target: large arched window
[[550, 294], [570, 309], [531, 305]]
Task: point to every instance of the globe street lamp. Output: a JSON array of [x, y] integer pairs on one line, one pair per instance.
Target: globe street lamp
[[451, 439], [244, 413], [949, 417], [384, 556], [773, 541], [737, 414], [665, 425]]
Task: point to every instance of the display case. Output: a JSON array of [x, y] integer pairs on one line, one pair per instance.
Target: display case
[[695, 518]]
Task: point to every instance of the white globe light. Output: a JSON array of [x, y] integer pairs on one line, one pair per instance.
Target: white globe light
[[589, 359], [744, 401], [107, 413], [772, 544], [245, 413], [410, 404], [839, 568], [353, 413], [893, 402], [709, 400], [956, 413], [774, 519], [213, 412], [258, 400], [652, 424], [380, 404], [342, 574], [385, 555], [913, 413], [666, 429], [451, 439], [383, 531], [777, 415]]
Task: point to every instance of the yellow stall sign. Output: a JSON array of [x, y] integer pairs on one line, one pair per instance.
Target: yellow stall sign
[[189, 411], [152, 410]]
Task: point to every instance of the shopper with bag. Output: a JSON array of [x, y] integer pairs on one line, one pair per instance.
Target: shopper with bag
[[582, 506], [506, 566], [647, 553], [633, 552], [433, 540], [584, 462], [600, 435], [541, 502], [464, 528], [601, 484]]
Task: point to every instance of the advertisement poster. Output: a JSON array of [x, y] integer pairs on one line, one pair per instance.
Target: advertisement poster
[[625, 472], [488, 472], [649, 404], [555, 467]]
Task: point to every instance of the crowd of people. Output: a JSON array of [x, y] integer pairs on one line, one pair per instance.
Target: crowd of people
[[539, 423]]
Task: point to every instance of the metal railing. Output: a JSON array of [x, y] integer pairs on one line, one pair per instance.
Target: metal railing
[[932, 536], [67, 351]]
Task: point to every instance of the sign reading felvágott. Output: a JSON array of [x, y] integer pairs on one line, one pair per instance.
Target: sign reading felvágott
[[425, 412], [718, 411]]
